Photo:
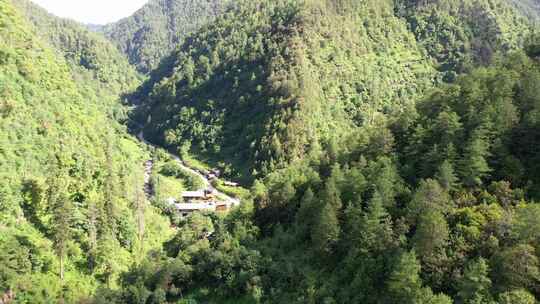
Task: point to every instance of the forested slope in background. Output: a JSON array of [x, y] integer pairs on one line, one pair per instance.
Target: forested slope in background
[[530, 8], [436, 205], [93, 60], [70, 173], [155, 30], [461, 34], [268, 83], [393, 144]]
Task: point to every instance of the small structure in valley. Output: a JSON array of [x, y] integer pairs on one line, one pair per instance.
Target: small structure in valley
[[188, 196], [201, 201], [188, 208], [200, 195]]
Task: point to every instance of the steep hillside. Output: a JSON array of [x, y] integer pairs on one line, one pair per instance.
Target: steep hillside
[[268, 82], [530, 8], [461, 34], [70, 198], [155, 30], [436, 208], [93, 60]]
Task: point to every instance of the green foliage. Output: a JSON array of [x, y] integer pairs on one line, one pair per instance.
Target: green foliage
[[69, 170], [325, 232], [489, 125], [516, 267], [267, 81], [475, 284], [422, 212], [518, 296], [262, 92], [95, 63], [431, 235], [173, 169], [152, 32], [377, 182], [460, 33], [404, 283], [530, 8], [446, 176]]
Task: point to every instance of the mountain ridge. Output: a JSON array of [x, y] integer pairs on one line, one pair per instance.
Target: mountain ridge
[[313, 43], [152, 32]]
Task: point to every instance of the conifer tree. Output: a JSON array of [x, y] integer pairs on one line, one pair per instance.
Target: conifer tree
[[326, 230], [431, 234], [429, 196], [474, 166], [404, 284], [307, 211], [61, 206], [332, 195], [475, 284], [93, 222], [446, 176], [109, 217], [376, 226], [517, 296]]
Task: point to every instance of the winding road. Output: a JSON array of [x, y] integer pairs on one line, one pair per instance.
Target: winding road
[[207, 184]]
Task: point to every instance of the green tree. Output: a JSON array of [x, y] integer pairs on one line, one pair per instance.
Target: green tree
[[429, 196], [474, 286], [61, 206], [516, 267], [373, 231], [404, 284], [527, 223], [306, 212], [93, 222], [326, 230], [430, 242], [331, 194], [446, 176], [474, 166], [386, 181], [15, 260], [431, 236], [518, 296]]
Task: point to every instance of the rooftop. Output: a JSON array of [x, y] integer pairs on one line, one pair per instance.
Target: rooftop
[[199, 193], [196, 206]]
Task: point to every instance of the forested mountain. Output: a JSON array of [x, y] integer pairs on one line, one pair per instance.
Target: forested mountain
[[91, 57], [69, 171], [394, 142], [530, 8], [155, 30], [429, 205], [458, 34], [268, 82], [432, 206], [389, 148]]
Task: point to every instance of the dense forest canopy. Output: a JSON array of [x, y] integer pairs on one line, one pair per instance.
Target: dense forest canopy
[[388, 149], [289, 75], [89, 54], [530, 8], [153, 31], [433, 207], [69, 170]]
